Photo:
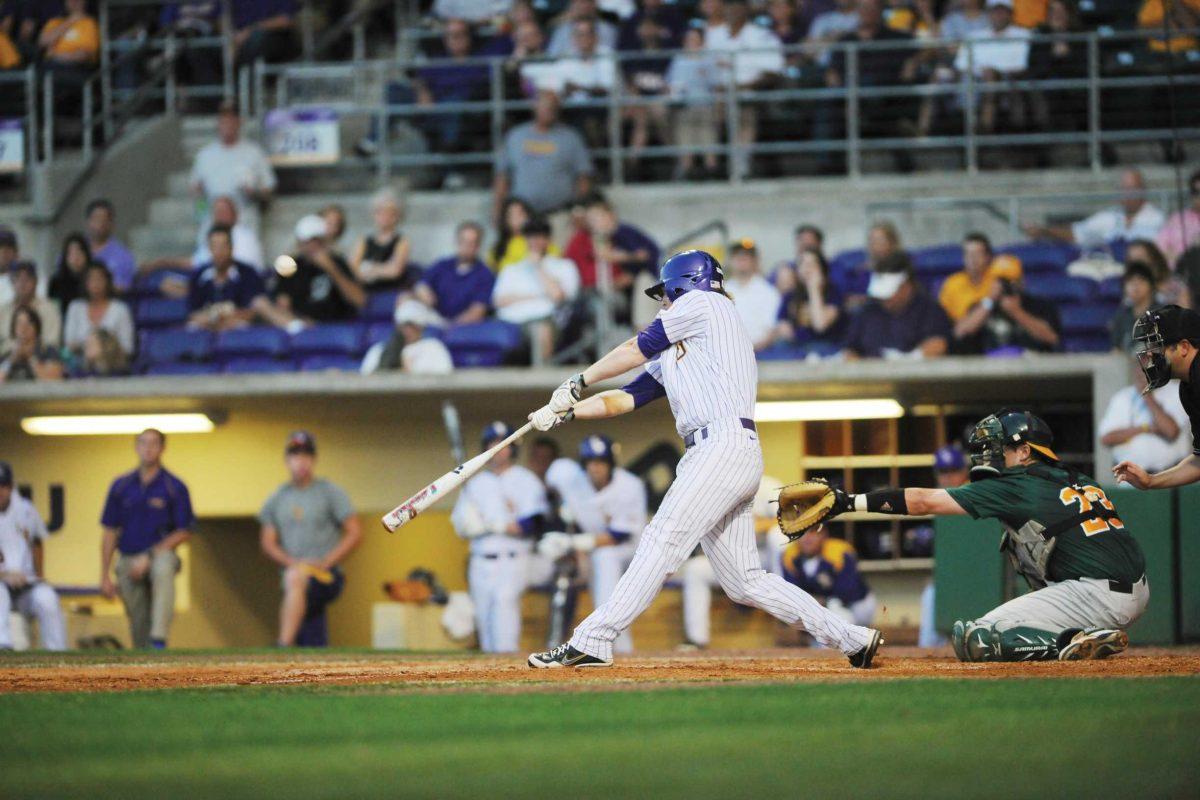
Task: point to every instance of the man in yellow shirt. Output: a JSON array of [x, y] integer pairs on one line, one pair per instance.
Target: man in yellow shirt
[[1181, 15], [72, 40], [981, 269]]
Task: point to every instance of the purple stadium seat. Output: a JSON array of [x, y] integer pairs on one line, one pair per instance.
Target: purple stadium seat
[[1110, 290], [151, 285], [245, 366], [466, 359], [491, 334], [380, 306], [1060, 288], [378, 332], [252, 342], [160, 312], [182, 368], [1086, 343], [939, 260], [1091, 318], [1042, 256], [344, 339], [158, 347], [330, 361]]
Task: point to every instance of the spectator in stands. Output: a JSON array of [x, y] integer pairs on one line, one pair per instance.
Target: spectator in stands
[[827, 569], [223, 293], [23, 279], [70, 44], [264, 29], [1150, 429], [27, 358], [968, 18], [67, 281], [1147, 252], [971, 19], [10, 253], [380, 259], [308, 529], [454, 78], [1139, 287], [588, 75], [693, 81], [233, 167], [196, 66], [830, 26], [669, 25], [473, 11], [335, 225], [1133, 218], [1182, 229], [756, 300], [753, 57], [1059, 58], [812, 310], [536, 290], [102, 357], [106, 247], [563, 43], [624, 249], [785, 21], [98, 308], [247, 249], [645, 76], [525, 66], [543, 162], [459, 287], [807, 238], [510, 245], [970, 289], [998, 54], [321, 288], [877, 66], [1157, 17], [901, 320], [1009, 322], [10, 55], [409, 349]]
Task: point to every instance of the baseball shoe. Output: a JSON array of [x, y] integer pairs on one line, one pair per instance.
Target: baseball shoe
[[958, 639], [564, 656], [688, 646], [862, 659], [1094, 644]]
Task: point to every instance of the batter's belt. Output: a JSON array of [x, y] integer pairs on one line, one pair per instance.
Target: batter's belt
[[700, 434]]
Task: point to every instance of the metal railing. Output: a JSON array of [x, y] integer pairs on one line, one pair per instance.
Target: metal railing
[[801, 116], [22, 84]]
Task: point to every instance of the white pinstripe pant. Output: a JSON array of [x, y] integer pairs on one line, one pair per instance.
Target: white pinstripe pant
[[710, 503]]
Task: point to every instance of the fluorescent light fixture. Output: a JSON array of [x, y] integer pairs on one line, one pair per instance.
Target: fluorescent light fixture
[[116, 424], [810, 410]]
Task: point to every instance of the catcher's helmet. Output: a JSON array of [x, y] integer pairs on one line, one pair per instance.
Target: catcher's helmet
[[691, 270], [597, 447], [1009, 427], [494, 432], [1154, 332]]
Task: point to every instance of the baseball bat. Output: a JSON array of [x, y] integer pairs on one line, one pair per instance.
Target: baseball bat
[[403, 513]]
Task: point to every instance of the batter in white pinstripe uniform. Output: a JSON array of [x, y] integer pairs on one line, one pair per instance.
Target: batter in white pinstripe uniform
[[698, 355]]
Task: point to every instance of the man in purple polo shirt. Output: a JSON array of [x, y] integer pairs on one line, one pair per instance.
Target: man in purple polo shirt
[[264, 29], [222, 293], [147, 515], [459, 287], [99, 221], [900, 320]]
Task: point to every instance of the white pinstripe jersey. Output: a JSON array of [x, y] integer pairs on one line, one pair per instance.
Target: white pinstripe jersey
[[620, 506], [20, 526], [709, 371], [502, 499]]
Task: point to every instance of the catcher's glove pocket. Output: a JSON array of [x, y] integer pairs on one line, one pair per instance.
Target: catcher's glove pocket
[[805, 505]]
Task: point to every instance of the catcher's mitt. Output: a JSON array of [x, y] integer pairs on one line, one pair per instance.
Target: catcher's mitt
[[805, 505]]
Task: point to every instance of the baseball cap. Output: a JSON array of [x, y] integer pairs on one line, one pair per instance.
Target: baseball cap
[[414, 312], [301, 442], [309, 227], [6, 476], [889, 275], [744, 245], [1176, 324], [494, 432], [949, 457], [8, 237]]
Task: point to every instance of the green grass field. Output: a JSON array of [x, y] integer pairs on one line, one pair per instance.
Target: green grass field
[[906, 738]]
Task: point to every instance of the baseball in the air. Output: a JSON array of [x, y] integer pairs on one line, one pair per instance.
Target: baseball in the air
[[285, 265]]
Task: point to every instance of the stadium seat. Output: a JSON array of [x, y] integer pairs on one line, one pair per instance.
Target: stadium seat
[[244, 366], [344, 339], [330, 361], [380, 306], [1042, 256], [847, 273], [1091, 318], [151, 285], [158, 347], [1086, 343], [939, 260], [1110, 291], [160, 312], [182, 368], [378, 332], [492, 334], [1060, 288], [475, 358], [251, 342]]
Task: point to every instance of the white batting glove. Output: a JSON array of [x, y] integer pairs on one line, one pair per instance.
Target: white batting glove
[[546, 418], [554, 545], [568, 394], [584, 542]]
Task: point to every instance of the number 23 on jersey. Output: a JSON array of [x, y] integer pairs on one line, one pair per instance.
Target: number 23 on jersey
[[1090, 496]]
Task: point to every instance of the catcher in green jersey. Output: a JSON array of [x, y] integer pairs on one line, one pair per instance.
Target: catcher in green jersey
[[1062, 534]]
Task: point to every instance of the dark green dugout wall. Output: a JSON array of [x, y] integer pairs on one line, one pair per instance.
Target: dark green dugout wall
[[972, 576]]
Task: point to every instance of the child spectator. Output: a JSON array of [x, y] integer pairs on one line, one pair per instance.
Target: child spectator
[[27, 358], [459, 287], [692, 80], [223, 293], [380, 259], [98, 308], [103, 357]]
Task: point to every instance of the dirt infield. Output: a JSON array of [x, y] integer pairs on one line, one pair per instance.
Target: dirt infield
[[511, 674]]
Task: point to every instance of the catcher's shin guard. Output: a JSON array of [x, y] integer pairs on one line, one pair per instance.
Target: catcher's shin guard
[[981, 642]]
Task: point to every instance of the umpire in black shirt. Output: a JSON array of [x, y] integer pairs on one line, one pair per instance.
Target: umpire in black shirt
[[1166, 341]]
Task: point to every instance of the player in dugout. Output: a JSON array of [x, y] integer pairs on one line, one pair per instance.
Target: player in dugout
[[1166, 340], [1061, 532]]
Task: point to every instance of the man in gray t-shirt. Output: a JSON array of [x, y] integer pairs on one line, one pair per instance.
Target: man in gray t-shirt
[[308, 528], [543, 162]]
